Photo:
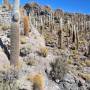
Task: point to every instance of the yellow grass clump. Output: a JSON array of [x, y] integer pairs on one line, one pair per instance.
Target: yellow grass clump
[[31, 62], [44, 51], [6, 27], [23, 40], [69, 61], [85, 76], [87, 62], [82, 63]]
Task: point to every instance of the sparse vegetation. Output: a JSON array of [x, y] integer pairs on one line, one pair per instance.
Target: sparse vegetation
[[87, 62], [31, 62], [43, 51], [6, 27], [23, 40], [24, 51], [85, 76], [55, 43], [69, 61], [59, 69], [8, 80], [49, 39], [82, 63]]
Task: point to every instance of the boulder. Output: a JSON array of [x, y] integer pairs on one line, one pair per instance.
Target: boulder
[[4, 62]]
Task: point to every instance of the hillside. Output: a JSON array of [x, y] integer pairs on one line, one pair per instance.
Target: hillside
[[54, 49]]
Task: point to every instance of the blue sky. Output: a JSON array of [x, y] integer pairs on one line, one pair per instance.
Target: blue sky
[[82, 6]]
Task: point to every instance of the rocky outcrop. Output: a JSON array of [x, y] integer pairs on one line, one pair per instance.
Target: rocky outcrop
[[4, 62]]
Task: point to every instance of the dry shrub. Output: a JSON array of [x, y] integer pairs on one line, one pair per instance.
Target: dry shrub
[[87, 62], [8, 79], [43, 51], [6, 27], [82, 63], [23, 40], [31, 62], [85, 76], [69, 61], [59, 69]]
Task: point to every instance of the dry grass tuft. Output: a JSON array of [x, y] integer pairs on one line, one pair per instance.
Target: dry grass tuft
[[85, 76], [23, 40], [82, 63], [59, 69], [43, 51], [87, 62], [69, 61], [31, 62], [6, 27]]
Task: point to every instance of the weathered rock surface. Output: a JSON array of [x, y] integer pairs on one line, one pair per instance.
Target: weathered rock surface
[[4, 62]]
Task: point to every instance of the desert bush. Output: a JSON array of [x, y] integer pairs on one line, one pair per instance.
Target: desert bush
[[24, 51], [69, 61], [43, 51], [31, 62], [59, 69], [8, 80], [75, 52], [23, 40], [5, 27], [85, 76], [50, 39], [38, 81], [82, 63], [0, 24], [26, 25], [87, 62]]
